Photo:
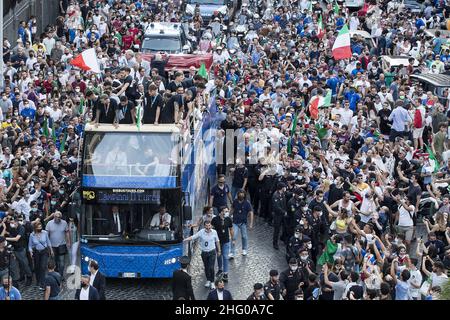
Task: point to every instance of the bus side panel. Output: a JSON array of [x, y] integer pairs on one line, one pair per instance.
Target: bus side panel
[[143, 261]]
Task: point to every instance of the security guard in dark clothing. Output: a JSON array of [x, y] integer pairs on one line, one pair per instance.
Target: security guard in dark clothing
[[293, 217], [279, 209], [182, 282], [272, 288], [258, 292], [266, 180], [291, 280], [295, 244]]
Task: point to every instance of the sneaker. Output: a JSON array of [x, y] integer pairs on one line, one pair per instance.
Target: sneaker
[[225, 277], [207, 284], [219, 273], [231, 256], [244, 252], [212, 286]]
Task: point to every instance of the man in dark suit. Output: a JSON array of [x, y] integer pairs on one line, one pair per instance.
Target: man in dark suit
[[87, 292], [219, 293], [97, 279], [182, 282], [116, 222]]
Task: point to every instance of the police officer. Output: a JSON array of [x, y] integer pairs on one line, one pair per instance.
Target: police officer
[[272, 288], [294, 206], [305, 263], [279, 210], [266, 179], [295, 244], [182, 282], [258, 292], [291, 280]]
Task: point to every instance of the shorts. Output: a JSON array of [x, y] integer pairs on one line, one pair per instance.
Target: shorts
[[417, 133], [407, 231], [394, 134]]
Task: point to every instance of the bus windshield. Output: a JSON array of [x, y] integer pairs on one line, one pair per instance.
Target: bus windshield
[[130, 154], [151, 217], [161, 43]]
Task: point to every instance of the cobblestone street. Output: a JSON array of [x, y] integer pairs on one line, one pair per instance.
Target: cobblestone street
[[244, 272]]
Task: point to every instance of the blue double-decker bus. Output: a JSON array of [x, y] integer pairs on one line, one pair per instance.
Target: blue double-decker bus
[[127, 176]]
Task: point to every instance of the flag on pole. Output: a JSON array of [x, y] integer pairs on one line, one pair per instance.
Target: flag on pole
[[336, 8], [432, 158], [53, 132], [319, 102], [341, 46], [81, 107], [139, 118], [320, 31], [45, 127], [202, 71], [87, 61], [294, 127], [63, 143]]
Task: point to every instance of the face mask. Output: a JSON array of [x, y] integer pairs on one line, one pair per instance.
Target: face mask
[[21, 223], [12, 225], [53, 203], [33, 209], [294, 268], [402, 97], [304, 258], [227, 214], [61, 191], [16, 113], [309, 246], [77, 90], [298, 298]]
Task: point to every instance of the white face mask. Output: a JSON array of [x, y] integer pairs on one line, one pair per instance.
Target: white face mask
[[226, 214], [309, 246], [294, 268], [297, 235]]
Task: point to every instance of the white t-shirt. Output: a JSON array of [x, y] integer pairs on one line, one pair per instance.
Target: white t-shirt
[[404, 219], [416, 278], [438, 280], [84, 293]]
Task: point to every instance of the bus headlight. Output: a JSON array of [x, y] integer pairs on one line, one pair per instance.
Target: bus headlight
[[170, 261]]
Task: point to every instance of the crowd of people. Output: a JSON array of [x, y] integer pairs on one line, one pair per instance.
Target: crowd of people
[[344, 189]]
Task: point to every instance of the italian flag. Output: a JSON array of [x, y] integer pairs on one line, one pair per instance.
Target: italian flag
[[320, 31], [341, 46], [87, 61], [319, 102]]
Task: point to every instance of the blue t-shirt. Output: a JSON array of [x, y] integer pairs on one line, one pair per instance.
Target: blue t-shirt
[[437, 43], [241, 211], [333, 83], [402, 290], [14, 294], [220, 196]]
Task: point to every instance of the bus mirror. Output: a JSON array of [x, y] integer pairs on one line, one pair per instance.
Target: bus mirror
[[187, 213]]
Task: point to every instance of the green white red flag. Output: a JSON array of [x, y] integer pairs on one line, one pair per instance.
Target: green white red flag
[[341, 46]]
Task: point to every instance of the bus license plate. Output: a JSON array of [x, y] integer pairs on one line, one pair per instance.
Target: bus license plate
[[129, 275]]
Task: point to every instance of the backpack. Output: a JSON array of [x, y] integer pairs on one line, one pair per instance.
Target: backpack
[[418, 119]]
